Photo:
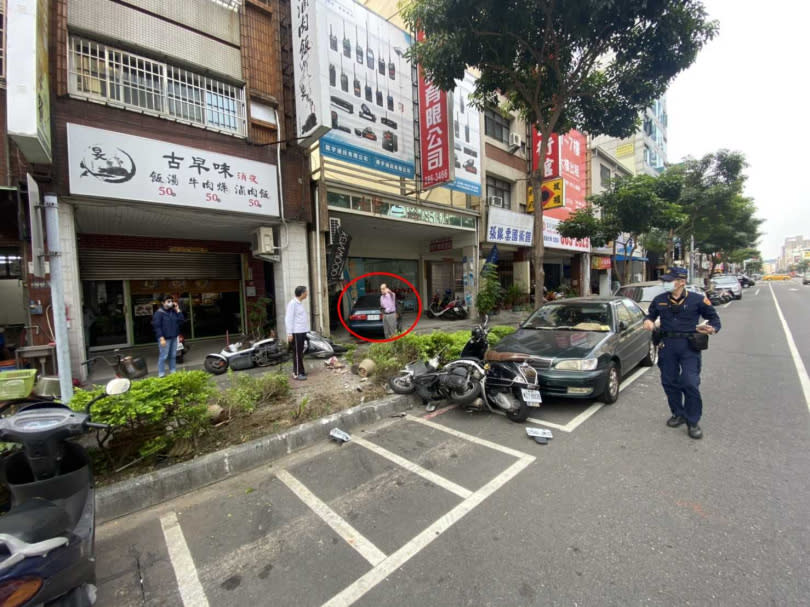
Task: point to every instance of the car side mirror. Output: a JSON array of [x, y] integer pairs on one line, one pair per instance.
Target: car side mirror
[[622, 326]]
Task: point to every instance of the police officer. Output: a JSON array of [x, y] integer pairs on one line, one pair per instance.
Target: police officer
[[679, 361]]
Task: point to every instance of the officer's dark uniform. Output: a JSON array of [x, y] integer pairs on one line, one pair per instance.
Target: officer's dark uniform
[[680, 364]]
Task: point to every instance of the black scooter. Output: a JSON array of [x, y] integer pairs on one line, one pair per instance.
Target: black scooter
[[47, 538], [432, 384], [509, 386]]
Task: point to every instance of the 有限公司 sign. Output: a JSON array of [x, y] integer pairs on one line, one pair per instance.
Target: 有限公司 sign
[[108, 164]]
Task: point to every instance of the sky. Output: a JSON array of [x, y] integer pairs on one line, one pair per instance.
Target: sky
[[748, 91]]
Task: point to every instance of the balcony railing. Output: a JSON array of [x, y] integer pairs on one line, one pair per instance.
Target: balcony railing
[[102, 73]]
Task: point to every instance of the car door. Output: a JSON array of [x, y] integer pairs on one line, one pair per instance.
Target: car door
[[628, 342], [641, 336]]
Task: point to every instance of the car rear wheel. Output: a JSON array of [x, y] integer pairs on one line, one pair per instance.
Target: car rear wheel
[[611, 393], [652, 356]]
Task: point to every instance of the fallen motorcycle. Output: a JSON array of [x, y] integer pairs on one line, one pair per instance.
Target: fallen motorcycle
[[47, 539], [432, 384], [509, 386], [246, 355], [318, 346]]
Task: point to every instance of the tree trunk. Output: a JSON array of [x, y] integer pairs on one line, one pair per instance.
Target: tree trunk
[[539, 244], [613, 269], [628, 263], [669, 256]]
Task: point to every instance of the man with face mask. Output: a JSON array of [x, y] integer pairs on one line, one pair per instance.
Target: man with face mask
[[167, 322], [679, 355]]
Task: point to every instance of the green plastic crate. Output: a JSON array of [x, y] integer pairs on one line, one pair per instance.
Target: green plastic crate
[[17, 384]]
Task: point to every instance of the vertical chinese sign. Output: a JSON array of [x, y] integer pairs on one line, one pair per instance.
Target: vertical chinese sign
[[434, 132], [312, 114], [466, 139]]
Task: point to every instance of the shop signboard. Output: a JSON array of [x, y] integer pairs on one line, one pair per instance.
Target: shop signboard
[[508, 227], [551, 164], [553, 240], [436, 140], [466, 139], [108, 164], [353, 79], [441, 244], [27, 79], [572, 169], [600, 262], [553, 195], [338, 256]]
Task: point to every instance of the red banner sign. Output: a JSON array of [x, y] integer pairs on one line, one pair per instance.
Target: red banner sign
[[551, 165], [434, 132], [572, 168], [441, 244]]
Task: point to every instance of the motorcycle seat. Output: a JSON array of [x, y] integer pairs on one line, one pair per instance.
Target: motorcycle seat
[[35, 520]]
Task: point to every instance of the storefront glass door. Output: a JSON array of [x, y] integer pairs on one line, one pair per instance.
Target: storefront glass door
[[105, 320]]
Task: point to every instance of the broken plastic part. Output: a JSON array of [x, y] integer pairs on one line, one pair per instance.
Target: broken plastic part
[[339, 435]]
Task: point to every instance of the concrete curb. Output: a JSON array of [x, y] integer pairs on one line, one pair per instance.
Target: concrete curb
[[150, 489]]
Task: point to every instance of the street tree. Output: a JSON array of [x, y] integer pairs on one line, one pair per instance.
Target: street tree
[[591, 64], [634, 206]]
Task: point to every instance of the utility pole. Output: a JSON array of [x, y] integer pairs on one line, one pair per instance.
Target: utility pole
[[58, 297]]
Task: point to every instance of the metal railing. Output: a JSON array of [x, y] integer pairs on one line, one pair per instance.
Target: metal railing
[[102, 73]]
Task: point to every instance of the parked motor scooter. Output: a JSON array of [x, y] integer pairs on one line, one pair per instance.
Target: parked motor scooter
[[509, 386], [452, 309], [433, 384], [245, 354], [131, 367], [318, 346], [47, 539]]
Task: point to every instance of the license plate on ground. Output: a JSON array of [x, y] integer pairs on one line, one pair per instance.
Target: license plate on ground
[[532, 397], [373, 317]]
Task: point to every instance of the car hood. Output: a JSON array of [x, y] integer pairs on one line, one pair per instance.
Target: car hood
[[550, 343]]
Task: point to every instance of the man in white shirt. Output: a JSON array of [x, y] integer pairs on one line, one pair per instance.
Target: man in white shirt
[[297, 324]]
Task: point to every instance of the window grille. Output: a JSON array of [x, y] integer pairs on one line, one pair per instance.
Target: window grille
[[102, 73]]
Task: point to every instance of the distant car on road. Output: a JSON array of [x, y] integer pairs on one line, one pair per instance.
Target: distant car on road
[[726, 281], [746, 281], [806, 278], [366, 315]]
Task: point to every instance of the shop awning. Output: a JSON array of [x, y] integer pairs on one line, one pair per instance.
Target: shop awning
[[620, 257]]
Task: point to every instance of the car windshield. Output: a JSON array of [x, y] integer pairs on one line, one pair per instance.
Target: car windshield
[[571, 316]]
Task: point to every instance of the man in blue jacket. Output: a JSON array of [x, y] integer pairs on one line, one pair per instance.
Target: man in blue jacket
[[167, 322], [679, 357]]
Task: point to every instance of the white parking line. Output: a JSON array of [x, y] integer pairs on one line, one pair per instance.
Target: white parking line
[[468, 437], [415, 468], [804, 380], [188, 582], [727, 305], [356, 590], [587, 413], [757, 293], [350, 535]]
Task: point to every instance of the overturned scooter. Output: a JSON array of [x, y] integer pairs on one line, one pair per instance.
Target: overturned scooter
[[246, 355], [318, 346], [47, 538]]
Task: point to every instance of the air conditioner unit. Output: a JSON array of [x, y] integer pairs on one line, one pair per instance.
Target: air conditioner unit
[[495, 201], [514, 140], [264, 244], [334, 226]]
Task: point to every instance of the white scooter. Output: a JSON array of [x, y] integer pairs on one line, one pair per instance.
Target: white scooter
[[246, 355]]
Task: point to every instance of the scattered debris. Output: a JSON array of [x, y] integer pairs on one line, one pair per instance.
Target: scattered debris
[[540, 435], [334, 363], [398, 415], [366, 367], [339, 435]]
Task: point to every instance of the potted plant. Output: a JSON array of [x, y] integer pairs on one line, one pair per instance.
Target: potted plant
[[512, 297], [489, 291]]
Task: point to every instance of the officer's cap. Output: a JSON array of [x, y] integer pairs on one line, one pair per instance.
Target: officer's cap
[[675, 273]]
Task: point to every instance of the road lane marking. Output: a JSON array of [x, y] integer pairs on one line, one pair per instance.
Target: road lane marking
[[804, 380], [468, 437], [415, 468], [188, 582], [360, 587], [757, 293], [339, 525], [587, 413], [727, 305]]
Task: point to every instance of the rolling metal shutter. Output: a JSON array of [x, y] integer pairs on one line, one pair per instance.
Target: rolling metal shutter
[[99, 264]]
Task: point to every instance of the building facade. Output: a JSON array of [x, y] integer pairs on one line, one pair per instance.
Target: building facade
[[170, 170]]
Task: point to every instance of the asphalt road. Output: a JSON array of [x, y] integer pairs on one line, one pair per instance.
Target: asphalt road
[[464, 509]]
